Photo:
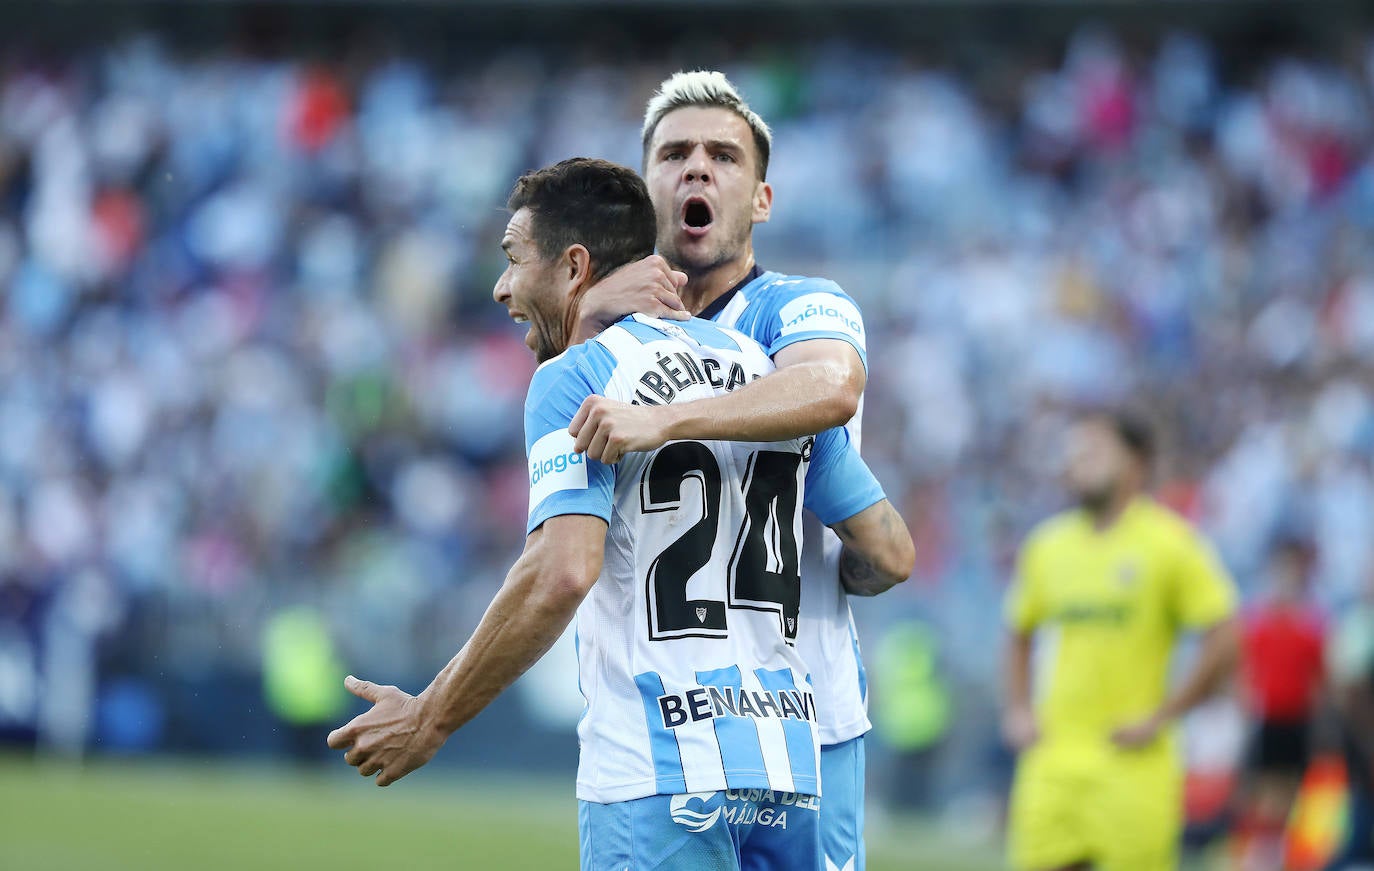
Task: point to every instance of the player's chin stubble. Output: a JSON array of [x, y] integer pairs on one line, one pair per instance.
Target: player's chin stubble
[[727, 250], [550, 339]]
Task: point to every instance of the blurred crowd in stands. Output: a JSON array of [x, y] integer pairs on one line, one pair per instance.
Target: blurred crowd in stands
[[249, 359]]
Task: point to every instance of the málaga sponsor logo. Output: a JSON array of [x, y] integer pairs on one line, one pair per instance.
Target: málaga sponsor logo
[[558, 463], [822, 311], [738, 807], [555, 466]]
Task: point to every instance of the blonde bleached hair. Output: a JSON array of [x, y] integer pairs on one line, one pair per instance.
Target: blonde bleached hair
[[708, 88]]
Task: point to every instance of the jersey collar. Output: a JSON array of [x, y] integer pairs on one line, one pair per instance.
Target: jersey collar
[[718, 305], [1132, 507]]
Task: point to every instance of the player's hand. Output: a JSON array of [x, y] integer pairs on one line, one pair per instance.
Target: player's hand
[[607, 430], [649, 286], [390, 740], [1138, 735], [1019, 728]]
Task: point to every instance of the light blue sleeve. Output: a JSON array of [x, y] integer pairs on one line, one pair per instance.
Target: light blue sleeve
[[562, 481], [798, 309], [839, 483]]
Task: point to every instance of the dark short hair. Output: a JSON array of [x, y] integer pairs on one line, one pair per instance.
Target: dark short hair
[[600, 205], [1300, 545], [1132, 427]]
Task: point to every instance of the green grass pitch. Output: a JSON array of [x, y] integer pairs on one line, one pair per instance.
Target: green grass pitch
[[149, 816]]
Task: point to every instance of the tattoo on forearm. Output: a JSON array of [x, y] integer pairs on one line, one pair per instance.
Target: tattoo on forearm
[[859, 575]]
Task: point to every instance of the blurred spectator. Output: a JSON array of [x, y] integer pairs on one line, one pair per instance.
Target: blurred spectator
[[302, 679], [1283, 671], [911, 713], [21, 618], [247, 344]]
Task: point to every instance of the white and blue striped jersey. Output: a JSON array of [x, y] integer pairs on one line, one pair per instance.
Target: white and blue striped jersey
[[776, 311], [686, 644]]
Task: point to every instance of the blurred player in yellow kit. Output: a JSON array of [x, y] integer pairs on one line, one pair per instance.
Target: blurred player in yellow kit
[[1105, 590]]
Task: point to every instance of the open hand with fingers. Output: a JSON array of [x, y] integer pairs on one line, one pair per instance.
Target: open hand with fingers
[[391, 739]]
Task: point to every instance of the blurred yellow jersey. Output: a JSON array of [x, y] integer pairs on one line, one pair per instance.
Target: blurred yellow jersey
[[1107, 607]]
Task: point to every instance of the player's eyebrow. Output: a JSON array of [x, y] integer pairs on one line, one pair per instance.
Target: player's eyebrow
[[711, 145]]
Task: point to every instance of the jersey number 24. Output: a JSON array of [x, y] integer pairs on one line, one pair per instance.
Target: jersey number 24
[[764, 570]]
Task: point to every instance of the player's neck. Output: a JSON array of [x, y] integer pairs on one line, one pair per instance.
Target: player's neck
[[1104, 517], [704, 288]]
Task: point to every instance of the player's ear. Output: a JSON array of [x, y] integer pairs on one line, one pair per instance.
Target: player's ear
[[577, 261], [763, 202]]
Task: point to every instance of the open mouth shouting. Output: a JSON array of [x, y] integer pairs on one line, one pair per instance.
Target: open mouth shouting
[[697, 217], [522, 318]]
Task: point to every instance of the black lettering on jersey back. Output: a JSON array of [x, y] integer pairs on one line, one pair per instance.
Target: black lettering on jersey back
[[689, 365], [736, 377], [711, 368], [673, 711], [723, 701], [661, 388], [698, 704], [674, 372], [641, 399]]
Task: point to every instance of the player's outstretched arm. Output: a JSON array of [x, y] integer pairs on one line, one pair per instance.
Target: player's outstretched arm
[[817, 385], [561, 562], [1216, 662], [878, 552], [649, 286]]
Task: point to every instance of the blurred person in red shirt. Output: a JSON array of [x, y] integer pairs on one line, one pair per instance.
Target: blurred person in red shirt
[[1283, 672]]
